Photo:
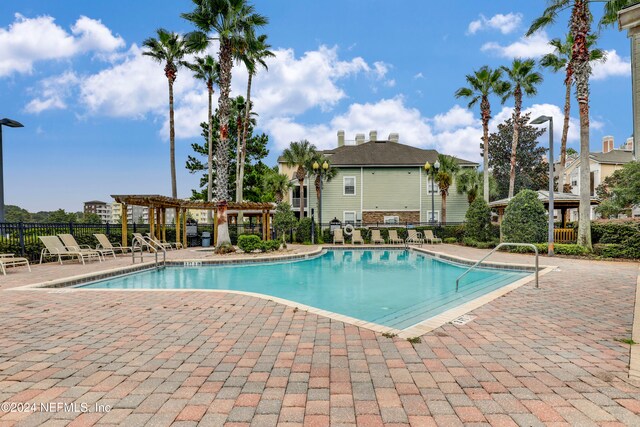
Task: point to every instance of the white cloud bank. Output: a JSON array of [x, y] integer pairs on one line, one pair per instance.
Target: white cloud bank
[[526, 47], [614, 66], [506, 24], [28, 40]]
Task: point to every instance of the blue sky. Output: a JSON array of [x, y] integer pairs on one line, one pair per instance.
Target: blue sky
[[95, 110]]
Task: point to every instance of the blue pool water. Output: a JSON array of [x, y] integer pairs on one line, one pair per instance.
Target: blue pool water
[[395, 288]]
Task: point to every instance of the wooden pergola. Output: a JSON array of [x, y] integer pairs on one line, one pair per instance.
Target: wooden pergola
[[158, 206]]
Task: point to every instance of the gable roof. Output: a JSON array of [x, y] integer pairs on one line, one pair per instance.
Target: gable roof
[[613, 156], [384, 153]]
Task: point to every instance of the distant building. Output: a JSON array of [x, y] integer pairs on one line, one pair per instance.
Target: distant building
[[137, 214], [102, 209]]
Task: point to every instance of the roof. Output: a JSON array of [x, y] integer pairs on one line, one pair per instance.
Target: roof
[[559, 200], [158, 201], [613, 156], [95, 202], [383, 153]]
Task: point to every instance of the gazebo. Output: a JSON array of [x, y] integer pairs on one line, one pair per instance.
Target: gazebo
[[158, 206], [561, 201]]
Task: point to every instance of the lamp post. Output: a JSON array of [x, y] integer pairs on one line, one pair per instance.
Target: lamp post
[[540, 120], [12, 124], [316, 169], [433, 170]]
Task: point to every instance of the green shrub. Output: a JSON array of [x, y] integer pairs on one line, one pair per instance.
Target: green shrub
[[558, 249], [303, 232], [478, 225], [284, 220], [270, 245], [525, 219], [249, 243], [450, 240], [469, 242]]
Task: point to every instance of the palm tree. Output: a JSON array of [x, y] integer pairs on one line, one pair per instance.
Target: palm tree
[[444, 178], [206, 69], [299, 155], [558, 60], [580, 27], [524, 79], [483, 83], [255, 52], [169, 48], [321, 175], [469, 182], [232, 20], [278, 184]]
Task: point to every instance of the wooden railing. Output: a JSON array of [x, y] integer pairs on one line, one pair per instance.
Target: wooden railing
[[565, 235]]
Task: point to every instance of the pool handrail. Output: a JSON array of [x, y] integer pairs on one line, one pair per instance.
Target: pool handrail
[[529, 245]]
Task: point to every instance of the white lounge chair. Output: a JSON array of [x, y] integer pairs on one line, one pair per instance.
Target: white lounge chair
[[54, 247], [70, 242], [10, 260], [169, 245], [338, 237], [105, 243], [430, 237], [356, 237], [157, 243], [414, 238], [376, 237], [394, 239], [140, 242]]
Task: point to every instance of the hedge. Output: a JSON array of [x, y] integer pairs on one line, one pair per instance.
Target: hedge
[[478, 225], [525, 219]]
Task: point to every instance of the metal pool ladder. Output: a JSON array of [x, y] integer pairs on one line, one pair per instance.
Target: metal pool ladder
[[151, 248], [529, 245]]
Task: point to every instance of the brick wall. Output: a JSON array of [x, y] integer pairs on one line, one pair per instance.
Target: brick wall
[[404, 216]]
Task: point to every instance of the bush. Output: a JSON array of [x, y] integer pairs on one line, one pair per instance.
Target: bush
[[224, 249], [450, 240], [478, 225], [558, 249], [270, 245], [303, 232], [525, 219], [284, 220], [249, 243]]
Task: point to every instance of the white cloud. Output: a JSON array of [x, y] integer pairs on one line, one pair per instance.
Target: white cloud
[[526, 47], [418, 76], [28, 40], [506, 24], [52, 93], [614, 65], [455, 118]]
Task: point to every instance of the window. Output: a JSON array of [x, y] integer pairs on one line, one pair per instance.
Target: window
[[349, 186], [392, 219], [436, 189], [295, 197], [436, 216], [349, 217]]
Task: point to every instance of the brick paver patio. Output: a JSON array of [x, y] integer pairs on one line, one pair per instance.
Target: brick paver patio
[[532, 357]]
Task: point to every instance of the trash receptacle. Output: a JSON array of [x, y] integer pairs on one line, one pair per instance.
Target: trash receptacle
[[206, 239]]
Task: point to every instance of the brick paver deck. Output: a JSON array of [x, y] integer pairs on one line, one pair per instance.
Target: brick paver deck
[[533, 357]]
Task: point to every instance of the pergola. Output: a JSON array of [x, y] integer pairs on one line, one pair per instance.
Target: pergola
[[158, 206]]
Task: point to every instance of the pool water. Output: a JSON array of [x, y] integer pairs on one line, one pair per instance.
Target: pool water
[[395, 288]]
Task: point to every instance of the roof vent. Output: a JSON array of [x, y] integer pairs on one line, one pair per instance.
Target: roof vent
[[359, 138], [373, 135]]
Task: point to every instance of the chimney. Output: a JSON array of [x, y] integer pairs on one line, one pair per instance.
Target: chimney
[[394, 137], [607, 144], [340, 138], [628, 146], [373, 135], [359, 138]]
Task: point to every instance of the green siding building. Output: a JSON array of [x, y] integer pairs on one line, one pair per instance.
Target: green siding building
[[379, 182]]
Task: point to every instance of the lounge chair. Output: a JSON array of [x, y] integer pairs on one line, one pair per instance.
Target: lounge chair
[[175, 245], [429, 237], [141, 242], [105, 243], [70, 242], [414, 238], [54, 247], [338, 237], [9, 260], [157, 243], [376, 237], [356, 237], [394, 239]]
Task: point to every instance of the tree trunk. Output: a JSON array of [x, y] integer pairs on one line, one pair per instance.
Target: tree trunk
[[210, 159], [301, 183], [222, 150], [172, 142], [243, 148], [485, 108], [516, 136], [580, 55], [443, 216], [565, 130]]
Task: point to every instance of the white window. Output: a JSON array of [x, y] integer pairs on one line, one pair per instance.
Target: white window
[[436, 216], [436, 189], [349, 217], [392, 219], [349, 183]]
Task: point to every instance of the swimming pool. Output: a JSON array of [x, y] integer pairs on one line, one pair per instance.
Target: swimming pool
[[394, 288]]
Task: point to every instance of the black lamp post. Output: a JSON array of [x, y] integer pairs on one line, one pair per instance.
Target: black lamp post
[[432, 170], [12, 124], [325, 168], [540, 120]]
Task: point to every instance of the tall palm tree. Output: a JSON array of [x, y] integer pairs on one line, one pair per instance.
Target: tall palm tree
[[278, 184], [580, 27], [469, 182], [444, 178], [321, 175], [206, 69], [559, 60], [232, 20], [299, 155], [523, 79], [169, 48], [482, 84], [255, 53]]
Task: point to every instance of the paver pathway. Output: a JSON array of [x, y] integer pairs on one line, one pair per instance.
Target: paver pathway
[[533, 357]]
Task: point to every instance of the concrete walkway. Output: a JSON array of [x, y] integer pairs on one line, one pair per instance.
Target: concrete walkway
[[533, 357]]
